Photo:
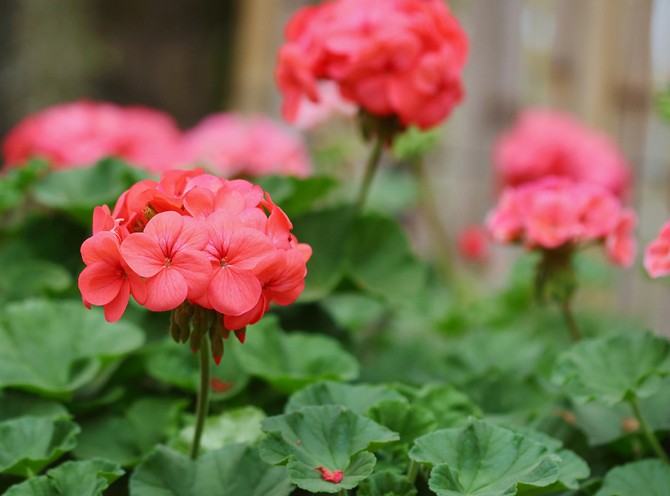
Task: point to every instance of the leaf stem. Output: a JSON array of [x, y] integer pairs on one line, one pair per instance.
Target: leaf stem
[[648, 431], [202, 405], [369, 174], [412, 471], [570, 321]]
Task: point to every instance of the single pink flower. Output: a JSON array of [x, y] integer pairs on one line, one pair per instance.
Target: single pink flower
[[657, 254], [107, 279], [169, 255]]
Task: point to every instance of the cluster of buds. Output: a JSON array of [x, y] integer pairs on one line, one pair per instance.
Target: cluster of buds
[[218, 252]]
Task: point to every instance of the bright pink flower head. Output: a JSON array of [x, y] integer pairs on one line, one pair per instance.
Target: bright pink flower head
[[388, 57], [81, 133], [549, 143], [657, 254], [554, 212], [233, 145], [220, 244]]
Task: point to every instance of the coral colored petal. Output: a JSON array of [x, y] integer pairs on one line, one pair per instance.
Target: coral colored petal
[[196, 269], [247, 318], [115, 308], [233, 291], [194, 234], [102, 246], [166, 290], [247, 247], [100, 283], [143, 254], [164, 229], [199, 202], [138, 288]]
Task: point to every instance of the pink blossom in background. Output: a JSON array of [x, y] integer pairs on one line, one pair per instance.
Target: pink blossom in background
[[330, 103], [657, 254], [388, 57], [550, 143], [557, 211], [231, 145], [473, 244], [81, 133], [217, 243]]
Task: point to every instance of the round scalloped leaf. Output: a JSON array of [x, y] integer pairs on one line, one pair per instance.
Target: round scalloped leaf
[[290, 361], [177, 366], [645, 477], [615, 368], [319, 438], [359, 398], [408, 420], [56, 347], [235, 469], [450, 406], [17, 404], [239, 425], [483, 459], [126, 439], [85, 478], [27, 444]]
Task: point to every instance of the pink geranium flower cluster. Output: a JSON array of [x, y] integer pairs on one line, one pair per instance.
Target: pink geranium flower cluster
[[219, 244], [389, 57], [555, 212], [79, 134], [657, 254], [549, 143]]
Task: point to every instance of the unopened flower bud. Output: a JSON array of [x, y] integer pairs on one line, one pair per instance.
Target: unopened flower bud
[[241, 334]]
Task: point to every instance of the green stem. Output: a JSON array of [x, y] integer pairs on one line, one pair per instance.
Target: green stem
[[369, 174], [412, 471], [648, 431], [343, 492], [570, 322], [202, 405]]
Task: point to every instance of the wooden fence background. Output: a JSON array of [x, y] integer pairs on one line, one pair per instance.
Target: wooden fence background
[[602, 60]]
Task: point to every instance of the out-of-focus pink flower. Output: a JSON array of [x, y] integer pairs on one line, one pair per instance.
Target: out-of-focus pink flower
[[219, 244], [473, 244], [81, 133], [231, 145], [388, 57], [657, 254], [549, 143], [330, 102], [557, 211]]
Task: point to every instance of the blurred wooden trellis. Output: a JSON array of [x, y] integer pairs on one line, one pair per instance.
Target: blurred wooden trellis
[[590, 57]]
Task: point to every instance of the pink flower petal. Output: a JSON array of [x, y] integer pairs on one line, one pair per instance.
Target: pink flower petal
[[143, 254], [233, 291], [100, 283], [166, 290]]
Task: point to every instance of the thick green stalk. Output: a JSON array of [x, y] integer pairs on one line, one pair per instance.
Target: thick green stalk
[[412, 471], [648, 431], [369, 174], [202, 405], [570, 321]]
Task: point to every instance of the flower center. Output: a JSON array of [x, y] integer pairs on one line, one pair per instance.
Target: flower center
[[167, 263]]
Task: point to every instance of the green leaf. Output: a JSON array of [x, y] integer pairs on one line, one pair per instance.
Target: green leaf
[[449, 406], [27, 444], [56, 347], [16, 181], [177, 366], [295, 195], [615, 368], [291, 361], [85, 478], [381, 261], [239, 425], [414, 143], [126, 439], [328, 437], [78, 190], [327, 232], [359, 398], [386, 484], [642, 478], [408, 420], [235, 469], [482, 459], [17, 404]]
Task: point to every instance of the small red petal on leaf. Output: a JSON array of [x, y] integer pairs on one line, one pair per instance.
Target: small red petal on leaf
[[334, 476], [298, 441], [219, 386]]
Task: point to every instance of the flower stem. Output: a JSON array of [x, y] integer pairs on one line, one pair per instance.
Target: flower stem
[[412, 471], [569, 317], [369, 174], [202, 405], [648, 431]]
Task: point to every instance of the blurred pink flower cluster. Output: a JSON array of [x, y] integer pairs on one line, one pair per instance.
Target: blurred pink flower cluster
[[388, 57], [549, 143], [220, 244], [553, 212], [81, 133], [657, 254]]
